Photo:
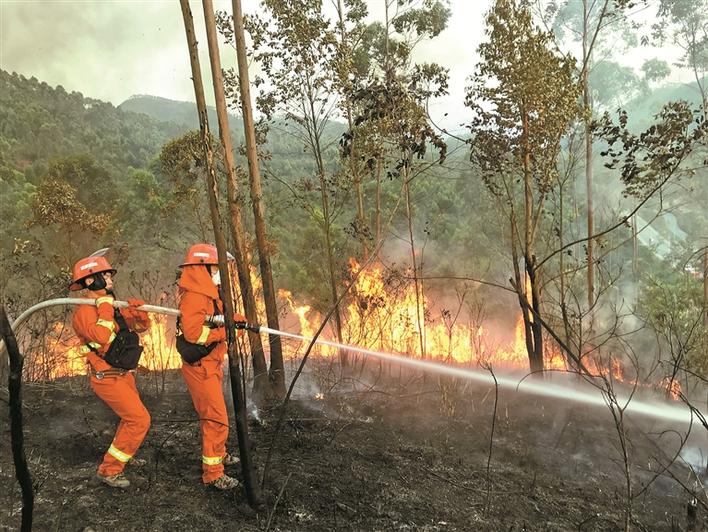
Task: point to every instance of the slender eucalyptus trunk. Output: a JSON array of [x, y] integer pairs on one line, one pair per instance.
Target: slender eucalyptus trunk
[[635, 263], [277, 368], [330, 263], [561, 267], [377, 214], [414, 264], [521, 290], [353, 165], [261, 386], [235, 377], [705, 305], [316, 146], [534, 345], [588, 160]]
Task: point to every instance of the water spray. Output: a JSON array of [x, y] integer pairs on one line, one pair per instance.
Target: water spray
[[593, 396]]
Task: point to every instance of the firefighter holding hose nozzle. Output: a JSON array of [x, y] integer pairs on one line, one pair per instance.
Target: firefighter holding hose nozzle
[[201, 341], [112, 347]]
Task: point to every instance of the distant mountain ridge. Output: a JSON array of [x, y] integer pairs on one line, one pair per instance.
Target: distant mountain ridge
[[183, 115], [178, 112], [640, 109], [41, 123]]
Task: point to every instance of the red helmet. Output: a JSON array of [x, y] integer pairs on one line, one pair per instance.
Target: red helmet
[[203, 254], [86, 267]]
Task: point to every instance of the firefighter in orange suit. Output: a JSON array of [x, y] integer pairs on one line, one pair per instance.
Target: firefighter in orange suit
[[97, 326], [199, 298]]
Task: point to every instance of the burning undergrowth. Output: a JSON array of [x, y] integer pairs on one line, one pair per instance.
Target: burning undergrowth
[[383, 313]]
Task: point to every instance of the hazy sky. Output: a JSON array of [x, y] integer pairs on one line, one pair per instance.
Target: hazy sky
[[112, 49]]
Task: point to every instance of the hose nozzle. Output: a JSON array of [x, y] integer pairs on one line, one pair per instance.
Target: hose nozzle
[[247, 326]]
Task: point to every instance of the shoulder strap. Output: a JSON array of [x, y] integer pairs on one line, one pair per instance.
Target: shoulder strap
[[120, 320]]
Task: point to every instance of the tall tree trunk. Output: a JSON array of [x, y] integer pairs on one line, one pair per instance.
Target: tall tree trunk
[[237, 392], [16, 432], [521, 290], [588, 158], [635, 263], [416, 281], [377, 214], [534, 345], [261, 387], [277, 368], [537, 364], [327, 221], [331, 266], [561, 266], [705, 306], [353, 164]]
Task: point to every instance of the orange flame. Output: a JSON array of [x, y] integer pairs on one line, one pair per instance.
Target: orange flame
[[673, 387], [385, 318]]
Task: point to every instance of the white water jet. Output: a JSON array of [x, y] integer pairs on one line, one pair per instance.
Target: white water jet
[[680, 413]]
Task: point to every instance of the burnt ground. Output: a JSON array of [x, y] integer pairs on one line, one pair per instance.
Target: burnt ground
[[399, 458]]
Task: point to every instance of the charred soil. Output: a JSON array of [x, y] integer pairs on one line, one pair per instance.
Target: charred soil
[[403, 456]]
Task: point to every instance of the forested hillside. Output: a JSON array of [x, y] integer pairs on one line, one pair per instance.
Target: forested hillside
[[56, 145]]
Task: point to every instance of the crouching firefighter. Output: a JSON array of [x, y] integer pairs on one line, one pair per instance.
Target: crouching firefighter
[[113, 350], [202, 348]]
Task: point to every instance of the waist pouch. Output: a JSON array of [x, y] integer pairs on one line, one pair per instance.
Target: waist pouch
[[125, 349], [193, 353]]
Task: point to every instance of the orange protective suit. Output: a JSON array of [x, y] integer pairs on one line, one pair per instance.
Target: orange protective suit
[[204, 378], [96, 326]]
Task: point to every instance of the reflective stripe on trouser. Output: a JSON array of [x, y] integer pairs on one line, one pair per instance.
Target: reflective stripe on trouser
[[121, 395], [119, 455], [208, 399], [212, 460]]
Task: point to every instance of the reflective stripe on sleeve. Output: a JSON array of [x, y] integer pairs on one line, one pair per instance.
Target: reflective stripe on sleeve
[[205, 334], [86, 348], [104, 299], [118, 454], [212, 460], [108, 324]]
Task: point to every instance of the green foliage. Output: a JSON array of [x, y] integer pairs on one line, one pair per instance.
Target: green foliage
[[655, 70], [568, 20], [56, 204], [672, 305], [395, 107], [524, 97], [612, 84], [425, 21], [686, 23], [649, 159], [40, 123]]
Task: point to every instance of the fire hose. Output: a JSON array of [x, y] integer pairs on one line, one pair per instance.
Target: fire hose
[[154, 309]]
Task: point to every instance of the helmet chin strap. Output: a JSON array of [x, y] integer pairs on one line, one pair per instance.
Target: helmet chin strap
[[99, 283]]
